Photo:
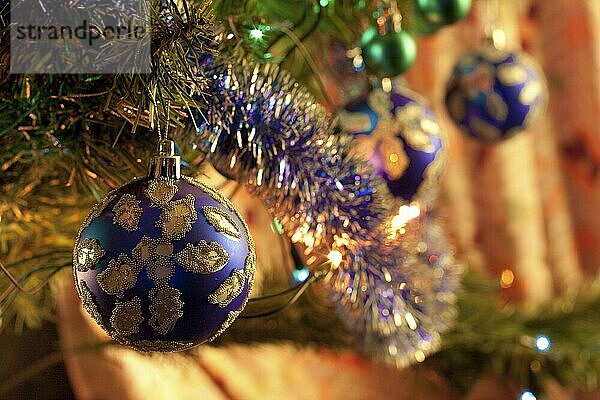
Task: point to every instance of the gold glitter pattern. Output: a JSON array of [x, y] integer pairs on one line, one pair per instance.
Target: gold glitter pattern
[[87, 254], [531, 92], [97, 210], [158, 345], [484, 129], [250, 264], [177, 217], [231, 316], [127, 212], [496, 106], [164, 248], [144, 250], [127, 317], [88, 303], [221, 221], [148, 248], [165, 309], [229, 289], [160, 270], [250, 271], [120, 275], [512, 74], [161, 191], [204, 258]]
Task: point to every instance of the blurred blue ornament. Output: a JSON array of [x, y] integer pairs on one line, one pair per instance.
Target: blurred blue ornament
[[400, 137], [494, 94], [164, 264]]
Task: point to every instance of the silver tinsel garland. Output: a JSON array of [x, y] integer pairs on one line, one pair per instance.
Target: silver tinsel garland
[[400, 312], [264, 130]]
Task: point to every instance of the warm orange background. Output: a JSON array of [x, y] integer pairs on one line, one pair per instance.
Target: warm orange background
[[530, 204]]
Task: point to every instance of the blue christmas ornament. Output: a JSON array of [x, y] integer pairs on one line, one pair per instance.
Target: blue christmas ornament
[[493, 94], [164, 263], [400, 137]]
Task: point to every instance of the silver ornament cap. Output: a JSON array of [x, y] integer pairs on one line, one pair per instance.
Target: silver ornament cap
[[165, 163]]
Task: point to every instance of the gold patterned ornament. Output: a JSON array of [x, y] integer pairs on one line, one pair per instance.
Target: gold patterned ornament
[[494, 94], [399, 137], [409, 121], [140, 310]]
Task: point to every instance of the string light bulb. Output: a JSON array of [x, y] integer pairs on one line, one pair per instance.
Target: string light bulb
[[256, 34], [301, 275], [335, 257], [527, 395], [542, 343], [399, 221]]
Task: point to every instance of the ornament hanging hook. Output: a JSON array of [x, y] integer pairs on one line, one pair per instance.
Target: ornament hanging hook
[[165, 163]]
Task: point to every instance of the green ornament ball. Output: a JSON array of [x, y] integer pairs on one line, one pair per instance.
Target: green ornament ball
[[437, 13], [388, 55], [423, 27]]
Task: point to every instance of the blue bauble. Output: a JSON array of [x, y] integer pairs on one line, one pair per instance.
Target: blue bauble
[[494, 94], [400, 137], [164, 264]]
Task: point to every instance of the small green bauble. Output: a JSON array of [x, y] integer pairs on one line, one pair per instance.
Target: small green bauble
[[389, 55], [437, 13], [423, 27]]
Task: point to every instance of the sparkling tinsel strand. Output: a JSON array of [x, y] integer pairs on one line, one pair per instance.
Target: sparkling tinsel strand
[[399, 312], [264, 130]]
